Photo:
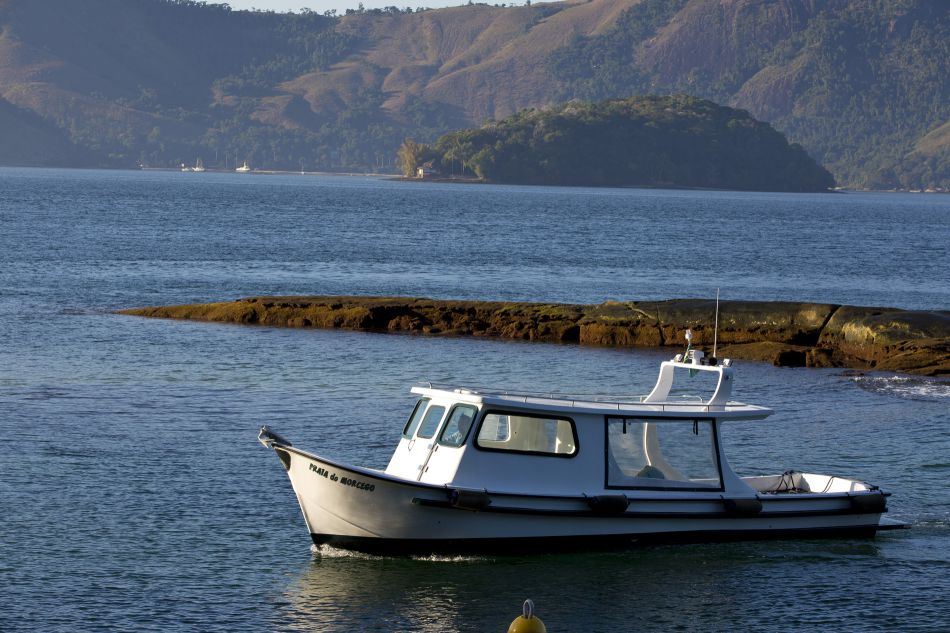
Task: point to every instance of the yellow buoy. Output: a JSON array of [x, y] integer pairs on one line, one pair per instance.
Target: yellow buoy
[[527, 622]]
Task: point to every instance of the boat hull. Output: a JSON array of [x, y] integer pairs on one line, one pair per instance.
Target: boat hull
[[369, 511], [581, 542]]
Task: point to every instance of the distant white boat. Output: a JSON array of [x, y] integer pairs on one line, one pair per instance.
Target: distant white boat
[[199, 166], [243, 168]]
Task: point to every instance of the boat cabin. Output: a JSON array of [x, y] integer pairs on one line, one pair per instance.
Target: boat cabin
[[547, 444]]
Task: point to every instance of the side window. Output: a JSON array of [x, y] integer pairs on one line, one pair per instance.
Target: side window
[[494, 429], [456, 429], [431, 422], [642, 453], [527, 434], [413, 422]]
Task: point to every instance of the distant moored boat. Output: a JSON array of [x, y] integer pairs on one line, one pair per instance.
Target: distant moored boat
[[243, 168]]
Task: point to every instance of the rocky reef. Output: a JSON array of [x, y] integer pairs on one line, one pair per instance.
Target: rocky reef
[[783, 333]]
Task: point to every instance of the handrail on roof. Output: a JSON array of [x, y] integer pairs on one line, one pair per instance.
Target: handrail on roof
[[498, 391], [699, 404]]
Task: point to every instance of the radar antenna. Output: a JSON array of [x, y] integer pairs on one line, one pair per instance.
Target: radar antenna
[[716, 328]]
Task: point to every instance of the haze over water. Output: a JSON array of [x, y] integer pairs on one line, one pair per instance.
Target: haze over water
[[134, 494]]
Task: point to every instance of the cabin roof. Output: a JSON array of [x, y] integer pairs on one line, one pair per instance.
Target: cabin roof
[[673, 407]]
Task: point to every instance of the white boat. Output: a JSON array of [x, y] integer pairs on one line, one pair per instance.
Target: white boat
[[243, 168], [199, 166], [493, 470]]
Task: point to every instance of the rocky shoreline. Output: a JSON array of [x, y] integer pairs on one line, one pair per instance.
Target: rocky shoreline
[[783, 333]]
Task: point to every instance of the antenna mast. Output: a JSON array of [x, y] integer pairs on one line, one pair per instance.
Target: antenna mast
[[716, 328]]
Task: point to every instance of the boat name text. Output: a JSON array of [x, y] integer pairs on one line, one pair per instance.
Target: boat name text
[[345, 481]]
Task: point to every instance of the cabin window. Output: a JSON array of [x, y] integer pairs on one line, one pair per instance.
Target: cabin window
[[413, 422], [674, 454], [527, 434], [430, 422], [456, 429]]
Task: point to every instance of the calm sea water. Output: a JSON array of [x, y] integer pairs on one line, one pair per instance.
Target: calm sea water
[[134, 496]]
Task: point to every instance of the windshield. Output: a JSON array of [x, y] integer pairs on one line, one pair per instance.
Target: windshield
[[661, 454]]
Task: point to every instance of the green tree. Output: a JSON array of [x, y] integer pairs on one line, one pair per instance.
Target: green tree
[[409, 156], [674, 141]]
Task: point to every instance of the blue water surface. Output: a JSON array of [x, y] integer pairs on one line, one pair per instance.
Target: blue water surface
[[133, 494]]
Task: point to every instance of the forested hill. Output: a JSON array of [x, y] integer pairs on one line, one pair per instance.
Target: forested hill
[[676, 141], [863, 85]]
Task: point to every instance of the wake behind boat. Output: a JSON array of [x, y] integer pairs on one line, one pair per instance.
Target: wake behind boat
[[492, 470]]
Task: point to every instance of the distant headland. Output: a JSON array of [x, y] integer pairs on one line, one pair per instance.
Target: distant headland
[[783, 333], [862, 86], [654, 141]]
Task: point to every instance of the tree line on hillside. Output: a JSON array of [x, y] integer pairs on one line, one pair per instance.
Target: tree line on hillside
[[161, 82], [357, 137], [877, 78], [672, 141]]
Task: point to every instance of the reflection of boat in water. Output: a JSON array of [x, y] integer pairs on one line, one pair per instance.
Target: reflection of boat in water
[[243, 168], [335, 589], [488, 470], [375, 595]]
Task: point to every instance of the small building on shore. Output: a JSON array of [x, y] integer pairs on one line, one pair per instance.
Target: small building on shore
[[427, 170]]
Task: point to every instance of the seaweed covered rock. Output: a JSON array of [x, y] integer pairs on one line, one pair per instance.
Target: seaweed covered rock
[[780, 332]]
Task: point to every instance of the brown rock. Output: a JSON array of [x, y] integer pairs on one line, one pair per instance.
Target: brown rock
[[876, 335], [782, 333], [742, 321], [779, 354]]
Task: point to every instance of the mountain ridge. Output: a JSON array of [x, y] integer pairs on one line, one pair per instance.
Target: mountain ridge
[[157, 82]]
